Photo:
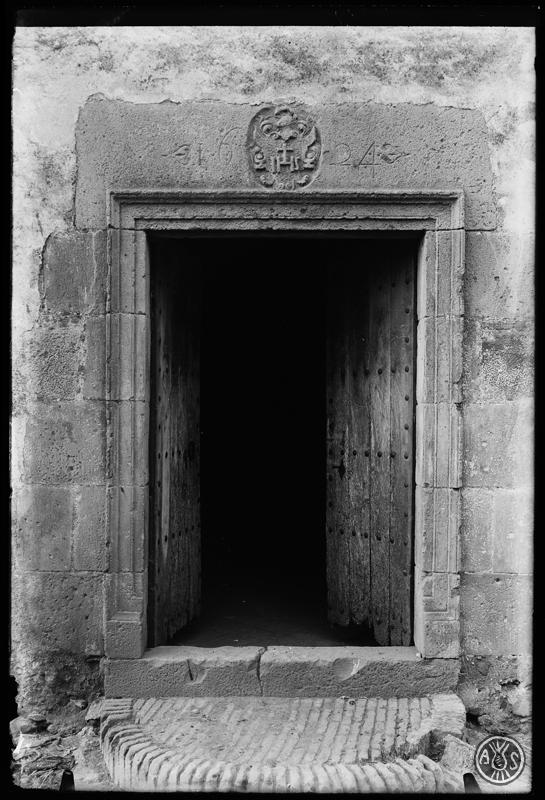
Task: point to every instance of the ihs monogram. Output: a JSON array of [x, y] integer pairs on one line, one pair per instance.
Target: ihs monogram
[[284, 147]]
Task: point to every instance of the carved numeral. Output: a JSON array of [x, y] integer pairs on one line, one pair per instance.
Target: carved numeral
[[225, 148], [184, 153], [373, 156], [368, 158], [342, 155], [187, 153]]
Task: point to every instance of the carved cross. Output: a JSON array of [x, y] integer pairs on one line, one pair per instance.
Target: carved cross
[[284, 150]]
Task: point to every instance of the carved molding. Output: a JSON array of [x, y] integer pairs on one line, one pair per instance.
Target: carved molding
[[437, 216], [155, 209]]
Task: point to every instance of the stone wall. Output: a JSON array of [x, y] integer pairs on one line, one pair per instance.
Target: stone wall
[[460, 102]]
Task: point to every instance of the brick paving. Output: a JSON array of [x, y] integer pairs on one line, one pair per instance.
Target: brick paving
[[276, 744]]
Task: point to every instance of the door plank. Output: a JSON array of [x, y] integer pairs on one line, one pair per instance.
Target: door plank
[[347, 515], [370, 458], [175, 468], [338, 508], [402, 335], [357, 316], [379, 414]]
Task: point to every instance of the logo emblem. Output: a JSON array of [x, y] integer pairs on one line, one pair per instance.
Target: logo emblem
[[499, 759], [284, 147]]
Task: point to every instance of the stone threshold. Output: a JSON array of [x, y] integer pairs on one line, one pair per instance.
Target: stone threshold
[[180, 671]]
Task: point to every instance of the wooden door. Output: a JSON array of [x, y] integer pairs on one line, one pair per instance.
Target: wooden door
[[370, 424], [174, 574]]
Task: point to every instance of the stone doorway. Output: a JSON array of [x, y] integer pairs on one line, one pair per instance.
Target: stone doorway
[[269, 355], [435, 219]]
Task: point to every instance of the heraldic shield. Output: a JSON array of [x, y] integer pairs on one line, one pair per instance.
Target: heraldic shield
[[284, 147]]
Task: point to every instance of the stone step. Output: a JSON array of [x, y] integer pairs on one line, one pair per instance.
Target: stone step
[[178, 671], [280, 744]]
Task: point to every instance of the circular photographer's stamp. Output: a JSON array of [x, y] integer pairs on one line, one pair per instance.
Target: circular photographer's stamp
[[499, 759]]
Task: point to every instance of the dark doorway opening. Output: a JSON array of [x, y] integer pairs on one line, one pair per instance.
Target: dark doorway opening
[[253, 441], [262, 446]]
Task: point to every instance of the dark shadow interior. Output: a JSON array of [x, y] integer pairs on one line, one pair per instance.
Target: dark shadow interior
[[262, 422], [262, 439]]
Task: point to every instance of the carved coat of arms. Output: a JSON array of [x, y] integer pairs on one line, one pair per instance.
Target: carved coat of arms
[[284, 147]]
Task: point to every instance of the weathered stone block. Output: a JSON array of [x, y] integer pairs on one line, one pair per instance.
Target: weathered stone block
[[44, 518], [94, 369], [439, 353], [49, 362], [17, 437], [477, 517], [426, 280], [512, 531], [57, 611], [437, 527], [497, 528], [498, 444], [499, 278], [125, 613], [438, 443], [74, 274], [129, 286], [498, 361], [129, 424], [65, 443], [439, 592], [125, 592], [425, 472], [496, 614], [449, 299], [437, 611], [436, 638], [181, 671], [125, 638], [128, 515], [129, 373], [440, 293], [89, 547], [356, 672]]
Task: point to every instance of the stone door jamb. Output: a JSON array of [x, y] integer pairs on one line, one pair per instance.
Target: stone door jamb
[[438, 217]]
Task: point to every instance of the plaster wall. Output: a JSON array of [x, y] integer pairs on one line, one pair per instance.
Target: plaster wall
[[105, 108]]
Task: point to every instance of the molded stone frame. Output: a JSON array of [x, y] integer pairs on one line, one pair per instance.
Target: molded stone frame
[[438, 217]]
